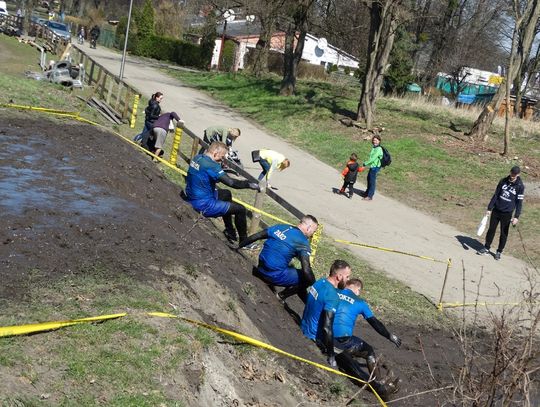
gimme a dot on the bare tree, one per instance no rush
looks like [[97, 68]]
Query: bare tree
[[267, 13], [384, 19], [295, 25], [526, 15]]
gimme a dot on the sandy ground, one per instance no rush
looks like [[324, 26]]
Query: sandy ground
[[308, 184]]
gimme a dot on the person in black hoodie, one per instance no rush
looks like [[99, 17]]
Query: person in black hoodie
[[350, 174], [151, 113], [507, 200]]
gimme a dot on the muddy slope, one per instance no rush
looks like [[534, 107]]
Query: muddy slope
[[72, 196]]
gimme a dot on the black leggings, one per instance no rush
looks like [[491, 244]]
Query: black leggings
[[504, 219], [239, 212], [349, 185]]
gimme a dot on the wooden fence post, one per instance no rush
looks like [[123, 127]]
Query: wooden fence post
[[91, 74], [256, 216], [194, 147]]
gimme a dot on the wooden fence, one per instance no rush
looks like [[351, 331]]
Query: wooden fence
[[108, 87], [196, 145], [120, 95]]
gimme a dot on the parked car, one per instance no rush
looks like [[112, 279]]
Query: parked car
[[39, 20], [3, 8], [59, 29]]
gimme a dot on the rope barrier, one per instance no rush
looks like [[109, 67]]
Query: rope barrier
[[481, 304], [389, 250], [17, 330]]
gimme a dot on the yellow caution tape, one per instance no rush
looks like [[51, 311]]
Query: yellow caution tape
[[39, 109], [474, 304], [263, 345], [253, 209], [389, 250], [49, 326], [176, 145], [134, 111]]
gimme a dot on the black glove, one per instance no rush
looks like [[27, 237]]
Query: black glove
[[332, 361], [255, 186], [395, 340]]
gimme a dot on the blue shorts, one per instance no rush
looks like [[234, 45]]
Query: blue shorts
[[211, 208], [283, 278]]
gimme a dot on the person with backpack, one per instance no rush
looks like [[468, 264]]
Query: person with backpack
[[349, 175], [374, 164], [151, 114]]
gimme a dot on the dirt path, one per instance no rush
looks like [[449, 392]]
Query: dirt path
[[383, 222]]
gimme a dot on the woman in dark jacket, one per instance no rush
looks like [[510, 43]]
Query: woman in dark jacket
[[151, 113]]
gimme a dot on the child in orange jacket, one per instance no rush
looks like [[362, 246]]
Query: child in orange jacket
[[349, 175]]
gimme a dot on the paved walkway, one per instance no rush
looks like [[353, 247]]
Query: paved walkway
[[308, 183]]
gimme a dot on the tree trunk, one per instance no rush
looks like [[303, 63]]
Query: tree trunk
[[383, 24], [260, 63], [291, 59], [525, 28]]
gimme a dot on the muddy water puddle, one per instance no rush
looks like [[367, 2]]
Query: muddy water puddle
[[35, 175]]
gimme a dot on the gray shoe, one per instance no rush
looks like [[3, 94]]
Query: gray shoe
[[498, 256], [483, 251], [251, 246]]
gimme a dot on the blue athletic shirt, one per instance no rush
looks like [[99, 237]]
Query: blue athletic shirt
[[322, 296], [282, 244], [202, 177], [350, 306]]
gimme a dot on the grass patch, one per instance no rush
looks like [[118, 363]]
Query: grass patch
[[117, 362], [431, 170]]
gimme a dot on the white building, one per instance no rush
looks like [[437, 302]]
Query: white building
[[246, 34]]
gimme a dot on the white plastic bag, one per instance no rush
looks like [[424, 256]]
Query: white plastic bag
[[482, 225]]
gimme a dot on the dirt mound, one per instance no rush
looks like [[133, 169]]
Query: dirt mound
[[73, 197]]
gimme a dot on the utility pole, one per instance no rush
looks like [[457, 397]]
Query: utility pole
[[221, 46], [126, 42]]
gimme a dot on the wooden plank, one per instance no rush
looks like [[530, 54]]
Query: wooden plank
[[109, 91], [119, 96], [102, 86], [91, 74], [106, 109]]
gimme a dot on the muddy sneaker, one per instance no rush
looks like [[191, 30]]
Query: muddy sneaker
[[230, 235], [393, 385], [498, 256], [280, 298], [482, 251], [251, 246]]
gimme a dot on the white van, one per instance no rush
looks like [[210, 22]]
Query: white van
[[3, 8]]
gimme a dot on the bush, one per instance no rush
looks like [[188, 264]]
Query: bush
[[310, 71], [228, 56], [172, 50]]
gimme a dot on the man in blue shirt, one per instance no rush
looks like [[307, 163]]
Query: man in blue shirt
[[321, 306], [350, 307], [204, 173], [283, 243]]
